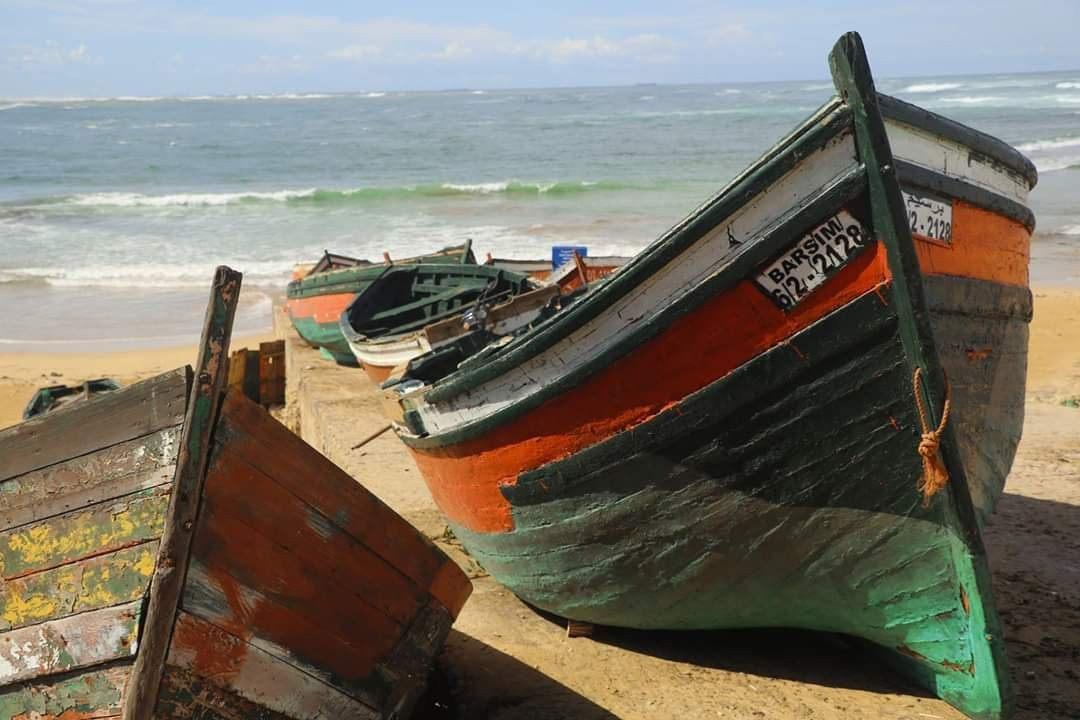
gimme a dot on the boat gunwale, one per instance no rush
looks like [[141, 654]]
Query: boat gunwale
[[827, 123], [984, 144], [546, 335], [844, 189]]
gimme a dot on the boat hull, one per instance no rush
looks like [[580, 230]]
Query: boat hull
[[770, 475], [171, 551]]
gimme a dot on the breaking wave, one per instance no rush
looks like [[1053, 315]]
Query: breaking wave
[[930, 87], [328, 196], [1049, 144]]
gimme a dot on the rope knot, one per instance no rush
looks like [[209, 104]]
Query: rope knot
[[935, 475]]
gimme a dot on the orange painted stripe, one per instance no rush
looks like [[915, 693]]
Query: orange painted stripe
[[697, 349], [320, 308], [985, 246], [378, 373]]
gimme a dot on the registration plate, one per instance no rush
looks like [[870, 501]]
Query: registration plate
[[813, 259], [928, 217]]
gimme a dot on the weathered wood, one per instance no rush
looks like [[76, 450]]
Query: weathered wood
[[212, 596], [272, 373], [238, 369], [69, 643], [989, 693], [168, 577], [101, 528], [127, 467], [69, 432], [501, 317], [94, 694], [100, 581], [310, 476], [204, 657]]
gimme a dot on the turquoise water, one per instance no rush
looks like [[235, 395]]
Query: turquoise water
[[113, 212]]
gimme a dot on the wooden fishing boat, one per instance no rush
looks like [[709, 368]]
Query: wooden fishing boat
[[582, 271], [384, 325], [54, 397], [795, 408], [170, 551], [595, 268], [314, 302]]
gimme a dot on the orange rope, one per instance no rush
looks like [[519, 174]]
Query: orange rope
[[934, 476]]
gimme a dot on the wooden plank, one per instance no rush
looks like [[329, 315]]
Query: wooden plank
[[500, 317], [115, 417], [251, 375], [243, 499], [272, 373], [308, 475], [168, 578], [124, 468], [238, 369], [100, 581], [345, 660], [212, 670], [93, 694], [101, 528], [69, 643]]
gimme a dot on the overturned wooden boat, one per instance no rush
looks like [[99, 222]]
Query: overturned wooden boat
[[169, 551], [314, 301], [54, 397], [384, 325], [795, 408]]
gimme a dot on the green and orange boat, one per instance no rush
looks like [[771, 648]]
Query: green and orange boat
[[315, 299], [796, 408]]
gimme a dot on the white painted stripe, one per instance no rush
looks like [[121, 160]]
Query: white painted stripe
[[69, 643], [954, 160], [390, 353], [665, 287]]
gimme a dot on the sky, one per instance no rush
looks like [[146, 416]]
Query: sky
[[109, 48]]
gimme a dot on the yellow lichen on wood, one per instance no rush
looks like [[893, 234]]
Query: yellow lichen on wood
[[102, 581], [68, 537]]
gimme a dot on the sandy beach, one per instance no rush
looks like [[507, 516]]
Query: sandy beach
[[22, 373]]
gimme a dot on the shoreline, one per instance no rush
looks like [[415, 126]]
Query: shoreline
[[23, 372]]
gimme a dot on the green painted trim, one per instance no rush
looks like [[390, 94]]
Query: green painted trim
[[990, 695], [981, 143], [460, 278], [811, 135], [332, 281], [840, 193], [167, 583], [914, 176]]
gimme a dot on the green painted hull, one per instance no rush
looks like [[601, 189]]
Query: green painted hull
[[327, 337]]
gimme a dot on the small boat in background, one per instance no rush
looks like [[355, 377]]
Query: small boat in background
[[795, 408], [384, 325], [170, 550], [314, 301], [595, 268], [581, 271], [50, 398]]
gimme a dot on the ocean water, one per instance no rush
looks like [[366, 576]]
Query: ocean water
[[114, 211]]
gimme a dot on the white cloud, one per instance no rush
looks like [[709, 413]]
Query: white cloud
[[51, 53], [645, 47], [728, 34], [357, 53]]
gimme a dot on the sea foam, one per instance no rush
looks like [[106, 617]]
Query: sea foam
[[931, 87]]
